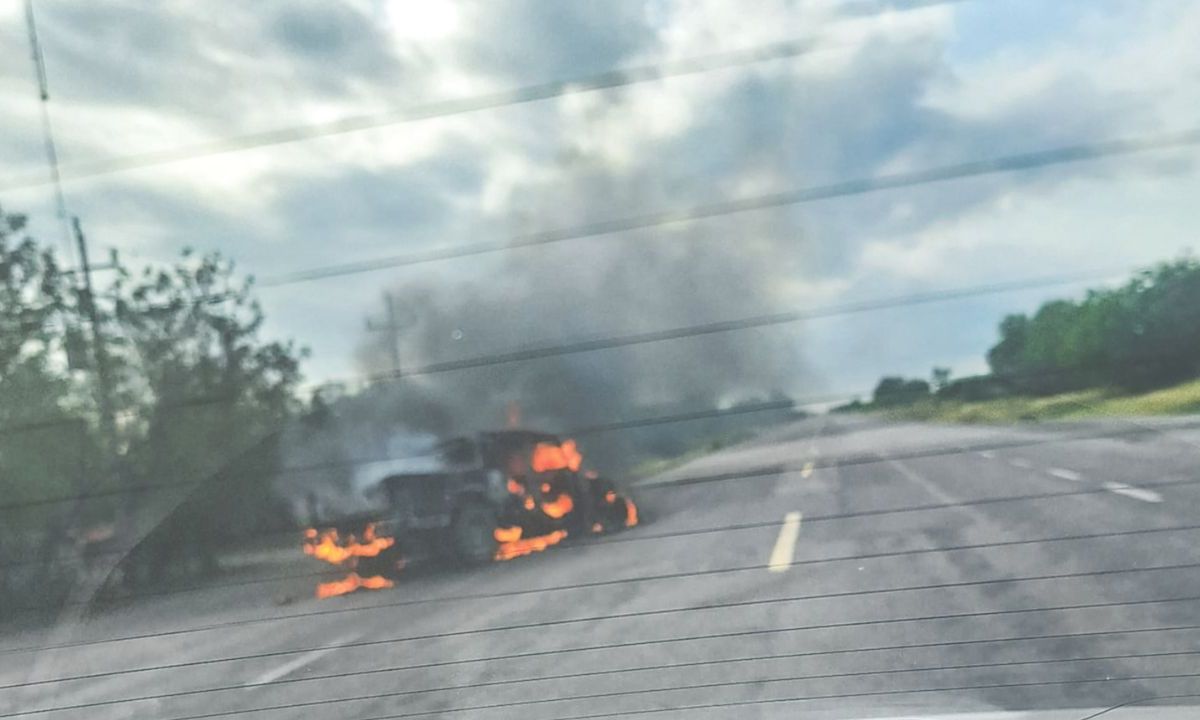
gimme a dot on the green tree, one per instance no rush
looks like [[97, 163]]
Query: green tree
[[893, 390], [939, 378], [1156, 338], [34, 394], [1143, 334], [47, 447], [195, 385], [1007, 357], [208, 388]]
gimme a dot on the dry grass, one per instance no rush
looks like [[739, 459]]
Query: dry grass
[[1177, 400]]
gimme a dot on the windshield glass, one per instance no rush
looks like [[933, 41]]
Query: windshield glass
[[539, 359]]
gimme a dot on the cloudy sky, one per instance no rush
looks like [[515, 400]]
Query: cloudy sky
[[887, 88]]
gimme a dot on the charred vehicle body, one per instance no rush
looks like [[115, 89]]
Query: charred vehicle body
[[491, 496]]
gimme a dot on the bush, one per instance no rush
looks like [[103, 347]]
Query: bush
[[898, 391]]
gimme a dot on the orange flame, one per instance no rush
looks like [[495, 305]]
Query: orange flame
[[558, 507], [328, 547], [631, 516], [610, 497], [526, 546], [548, 457], [351, 583], [515, 487], [507, 535]]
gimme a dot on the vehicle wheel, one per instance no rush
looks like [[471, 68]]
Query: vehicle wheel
[[388, 563], [472, 532], [611, 506]]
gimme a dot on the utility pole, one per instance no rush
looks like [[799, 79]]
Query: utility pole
[[39, 69], [88, 583], [391, 330], [87, 300], [87, 303]]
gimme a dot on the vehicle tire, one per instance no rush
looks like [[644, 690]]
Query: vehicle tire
[[609, 514], [388, 563], [472, 532]]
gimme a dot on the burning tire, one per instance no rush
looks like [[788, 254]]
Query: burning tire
[[472, 533], [387, 564], [612, 508]]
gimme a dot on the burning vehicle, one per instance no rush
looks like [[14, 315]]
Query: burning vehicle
[[469, 500]]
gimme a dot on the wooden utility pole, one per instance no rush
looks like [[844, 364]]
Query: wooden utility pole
[[104, 379], [39, 69], [71, 227], [391, 329], [87, 303]]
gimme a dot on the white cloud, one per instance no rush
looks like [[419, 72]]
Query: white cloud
[[1086, 224], [881, 95], [1133, 62], [423, 20]]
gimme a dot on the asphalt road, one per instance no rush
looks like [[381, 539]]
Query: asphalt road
[[871, 569]]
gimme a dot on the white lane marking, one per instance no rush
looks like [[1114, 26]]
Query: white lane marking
[[1065, 474], [1020, 463], [290, 667], [927, 485], [987, 455], [977, 517], [785, 544], [1136, 493], [808, 469]]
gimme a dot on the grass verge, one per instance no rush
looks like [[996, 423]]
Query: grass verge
[[1177, 400]]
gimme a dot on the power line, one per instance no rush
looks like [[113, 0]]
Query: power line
[[868, 459], [945, 295], [335, 464], [590, 674], [847, 696], [49, 146], [745, 323], [728, 635], [636, 579], [711, 414], [860, 186], [873, 458], [712, 478], [689, 480], [694, 686], [716, 529], [772, 470], [543, 352], [1091, 635], [1140, 701], [640, 643], [22, 428], [445, 108], [632, 614], [849, 558], [95, 603]]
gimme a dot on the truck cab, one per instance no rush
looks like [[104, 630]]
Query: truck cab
[[496, 495]]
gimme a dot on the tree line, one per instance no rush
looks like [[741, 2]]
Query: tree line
[[1141, 335], [108, 399]]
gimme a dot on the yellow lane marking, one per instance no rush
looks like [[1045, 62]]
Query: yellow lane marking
[[785, 544]]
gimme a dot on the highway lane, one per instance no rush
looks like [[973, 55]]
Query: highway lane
[[875, 553]]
